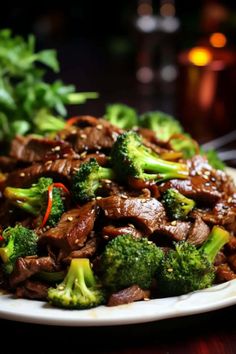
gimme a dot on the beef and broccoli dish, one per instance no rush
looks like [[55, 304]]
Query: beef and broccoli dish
[[113, 210]]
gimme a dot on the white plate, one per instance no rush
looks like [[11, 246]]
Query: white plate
[[217, 297]]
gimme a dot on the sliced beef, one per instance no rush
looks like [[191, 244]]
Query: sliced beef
[[32, 290], [87, 251], [101, 158], [32, 149], [199, 232], [139, 184], [61, 170], [195, 187], [175, 230], [110, 231], [26, 267], [93, 138], [224, 273], [223, 213], [145, 212], [73, 229], [128, 295], [232, 261], [231, 245]]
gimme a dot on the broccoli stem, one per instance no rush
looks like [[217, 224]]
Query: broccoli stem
[[105, 173], [161, 167], [19, 195], [216, 240], [6, 251], [81, 97]]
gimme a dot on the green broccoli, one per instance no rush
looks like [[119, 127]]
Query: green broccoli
[[185, 144], [19, 242], [46, 123], [87, 180], [178, 206], [121, 115], [163, 124], [131, 158], [34, 199], [188, 268], [58, 208], [167, 128], [214, 160], [127, 261], [80, 289]]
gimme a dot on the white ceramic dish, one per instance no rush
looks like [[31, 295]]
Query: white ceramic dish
[[217, 297]]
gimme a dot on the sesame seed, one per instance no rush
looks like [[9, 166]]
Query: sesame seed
[[57, 148], [74, 131], [106, 237], [230, 199], [108, 181], [48, 162], [99, 127], [106, 212], [76, 241], [146, 299], [83, 136], [83, 154], [170, 270], [174, 223], [98, 198], [70, 218], [22, 174]]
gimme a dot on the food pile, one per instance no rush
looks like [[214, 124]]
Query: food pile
[[108, 211]]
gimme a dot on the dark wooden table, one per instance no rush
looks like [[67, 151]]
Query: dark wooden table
[[208, 333]]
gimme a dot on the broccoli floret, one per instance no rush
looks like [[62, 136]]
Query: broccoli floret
[[34, 200], [80, 289], [29, 199], [58, 208], [121, 115], [164, 125], [19, 242], [185, 144], [46, 123], [131, 158], [87, 180], [167, 128], [214, 160], [178, 206], [127, 261], [188, 268]]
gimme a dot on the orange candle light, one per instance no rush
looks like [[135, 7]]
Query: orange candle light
[[206, 89]]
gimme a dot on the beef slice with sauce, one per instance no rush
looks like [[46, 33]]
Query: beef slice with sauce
[[145, 212], [73, 229]]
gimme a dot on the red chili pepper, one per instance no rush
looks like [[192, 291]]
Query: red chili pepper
[[1, 238], [49, 206], [72, 120], [61, 185], [50, 200]]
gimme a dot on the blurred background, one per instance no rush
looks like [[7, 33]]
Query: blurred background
[[175, 56]]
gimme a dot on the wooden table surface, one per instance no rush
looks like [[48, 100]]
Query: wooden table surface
[[209, 333]]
